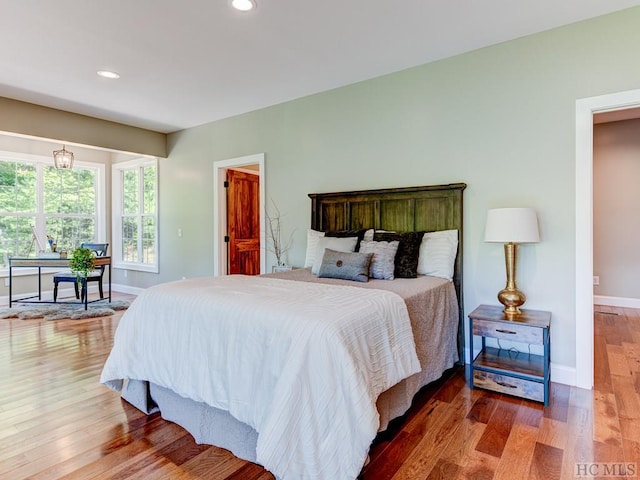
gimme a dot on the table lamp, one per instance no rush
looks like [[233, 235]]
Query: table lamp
[[511, 226]]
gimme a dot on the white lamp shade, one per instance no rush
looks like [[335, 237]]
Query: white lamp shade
[[516, 225]]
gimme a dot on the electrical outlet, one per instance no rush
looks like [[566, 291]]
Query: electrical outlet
[[596, 280], [125, 273]]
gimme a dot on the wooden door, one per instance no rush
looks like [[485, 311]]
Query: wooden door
[[243, 222]]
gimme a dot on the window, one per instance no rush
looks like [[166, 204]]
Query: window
[[69, 199], [135, 215], [63, 205]]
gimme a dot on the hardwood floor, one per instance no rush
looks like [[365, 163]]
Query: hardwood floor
[[57, 421]]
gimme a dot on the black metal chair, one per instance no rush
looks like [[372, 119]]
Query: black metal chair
[[100, 250]]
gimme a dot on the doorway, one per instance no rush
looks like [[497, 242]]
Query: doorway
[[585, 109], [250, 163], [243, 221]]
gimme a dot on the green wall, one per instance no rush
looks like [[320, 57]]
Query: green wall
[[501, 119]]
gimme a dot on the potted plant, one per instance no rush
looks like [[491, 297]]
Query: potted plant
[[81, 262]]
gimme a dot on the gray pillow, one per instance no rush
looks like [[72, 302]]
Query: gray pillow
[[383, 261], [345, 265], [342, 244]]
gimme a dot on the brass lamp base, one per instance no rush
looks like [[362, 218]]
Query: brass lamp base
[[510, 296], [512, 299]]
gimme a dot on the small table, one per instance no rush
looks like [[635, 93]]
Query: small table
[[510, 371], [40, 263]]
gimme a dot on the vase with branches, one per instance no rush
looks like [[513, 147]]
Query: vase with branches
[[278, 246]]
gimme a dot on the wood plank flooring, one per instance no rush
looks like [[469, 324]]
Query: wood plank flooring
[[58, 422]]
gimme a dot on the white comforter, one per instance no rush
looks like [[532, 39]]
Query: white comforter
[[301, 363]]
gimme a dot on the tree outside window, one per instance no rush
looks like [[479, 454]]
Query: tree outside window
[[18, 208], [35, 195], [70, 206], [135, 215]]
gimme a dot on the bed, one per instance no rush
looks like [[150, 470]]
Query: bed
[[316, 365]]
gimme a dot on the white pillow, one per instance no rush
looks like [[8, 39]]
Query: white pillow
[[438, 254], [312, 244], [339, 244], [368, 235]]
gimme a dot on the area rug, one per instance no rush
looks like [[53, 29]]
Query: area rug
[[58, 312]]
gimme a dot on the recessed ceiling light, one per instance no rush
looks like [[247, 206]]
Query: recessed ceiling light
[[108, 74], [243, 5]]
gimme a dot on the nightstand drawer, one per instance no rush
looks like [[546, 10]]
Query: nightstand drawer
[[507, 370], [509, 385], [508, 331]]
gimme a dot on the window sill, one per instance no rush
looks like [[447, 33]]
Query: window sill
[[28, 271], [139, 267]]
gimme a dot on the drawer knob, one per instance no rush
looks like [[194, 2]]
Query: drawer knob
[[506, 331], [508, 385]]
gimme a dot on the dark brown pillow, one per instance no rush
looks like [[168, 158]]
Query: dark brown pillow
[[406, 261]]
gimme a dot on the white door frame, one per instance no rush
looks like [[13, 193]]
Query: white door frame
[[220, 210], [585, 108]]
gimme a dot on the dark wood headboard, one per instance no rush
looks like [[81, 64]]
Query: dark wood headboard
[[410, 209]]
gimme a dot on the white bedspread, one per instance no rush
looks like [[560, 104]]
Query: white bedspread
[[301, 363]]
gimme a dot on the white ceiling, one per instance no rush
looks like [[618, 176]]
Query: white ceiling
[[185, 63]]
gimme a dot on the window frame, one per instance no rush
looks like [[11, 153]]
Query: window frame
[[40, 162], [117, 209]]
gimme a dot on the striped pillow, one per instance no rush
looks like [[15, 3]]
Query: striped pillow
[[383, 261]]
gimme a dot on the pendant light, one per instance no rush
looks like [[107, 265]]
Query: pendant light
[[63, 159]]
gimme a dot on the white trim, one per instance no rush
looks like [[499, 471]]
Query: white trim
[[139, 267], [616, 301], [63, 295], [220, 210], [466, 352], [559, 373], [27, 271], [563, 374], [41, 161], [101, 194], [585, 108], [117, 287], [116, 215]]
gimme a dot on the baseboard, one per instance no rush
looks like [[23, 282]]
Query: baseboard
[[467, 357], [63, 294], [116, 287], [616, 301], [563, 374], [69, 292], [559, 373]]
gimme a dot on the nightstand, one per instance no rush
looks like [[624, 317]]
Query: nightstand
[[509, 370]]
